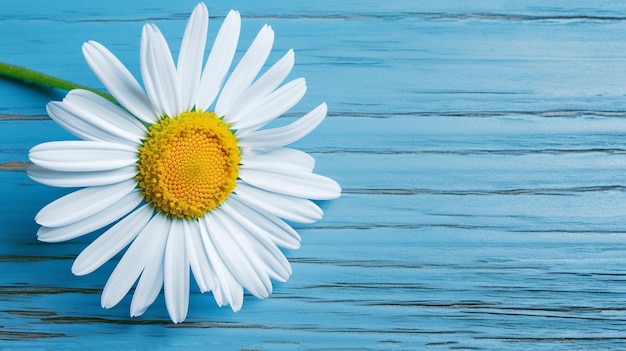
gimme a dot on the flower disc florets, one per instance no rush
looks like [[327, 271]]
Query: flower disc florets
[[188, 164]]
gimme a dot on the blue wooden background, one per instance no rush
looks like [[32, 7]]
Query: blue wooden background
[[481, 146]]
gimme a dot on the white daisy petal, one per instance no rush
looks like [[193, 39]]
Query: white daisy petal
[[91, 117], [148, 286], [191, 55], [89, 224], [276, 230], [146, 75], [281, 136], [82, 203], [112, 241], [82, 156], [246, 70], [268, 259], [281, 158], [294, 182], [80, 179], [234, 249], [134, 260], [105, 116], [218, 293], [277, 103], [230, 288], [176, 273], [119, 81], [198, 260], [159, 73], [151, 280], [74, 121], [219, 60], [262, 87], [291, 208]]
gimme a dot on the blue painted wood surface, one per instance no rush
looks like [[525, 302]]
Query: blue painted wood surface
[[481, 147]]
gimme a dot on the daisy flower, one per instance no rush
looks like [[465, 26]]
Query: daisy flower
[[184, 173]]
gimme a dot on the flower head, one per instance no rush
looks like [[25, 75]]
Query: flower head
[[184, 172]]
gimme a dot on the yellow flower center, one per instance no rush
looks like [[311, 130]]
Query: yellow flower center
[[188, 164]]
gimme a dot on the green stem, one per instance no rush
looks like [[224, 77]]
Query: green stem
[[30, 76]]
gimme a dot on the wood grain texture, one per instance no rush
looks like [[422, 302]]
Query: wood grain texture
[[481, 150]]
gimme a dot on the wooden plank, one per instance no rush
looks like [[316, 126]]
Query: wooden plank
[[479, 145]]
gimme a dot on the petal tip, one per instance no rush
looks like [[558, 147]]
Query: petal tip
[[201, 6], [77, 270]]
